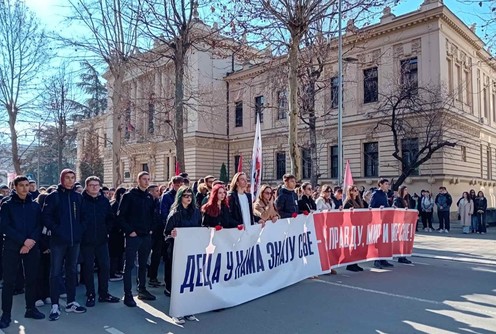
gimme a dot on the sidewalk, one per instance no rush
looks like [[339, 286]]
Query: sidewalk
[[456, 246]]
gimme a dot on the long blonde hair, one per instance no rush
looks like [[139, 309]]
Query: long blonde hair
[[262, 190]]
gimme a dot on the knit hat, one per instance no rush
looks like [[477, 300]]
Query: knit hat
[[64, 172]]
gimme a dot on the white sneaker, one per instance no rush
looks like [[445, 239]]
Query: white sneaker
[[446, 231], [54, 313], [426, 229], [39, 303], [64, 295], [178, 320], [75, 307], [441, 231], [191, 318]]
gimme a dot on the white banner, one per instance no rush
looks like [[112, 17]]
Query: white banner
[[218, 269]]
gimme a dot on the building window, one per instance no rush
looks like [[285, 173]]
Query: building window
[[282, 104], [450, 75], [238, 118], [334, 92], [370, 85], [485, 96], [280, 164], [371, 159], [105, 140], [127, 120], [167, 168], [489, 164], [259, 106], [151, 116], [464, 153], [306, 163], [236, 162], [409, 151], [494, 101], [334, 161], [409, 75], [468, 85], [144, 168], [459, 81]]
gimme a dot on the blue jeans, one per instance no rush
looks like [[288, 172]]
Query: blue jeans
[[59, 253], [473, 223], [142, 246], [481, 223], [101, 254]]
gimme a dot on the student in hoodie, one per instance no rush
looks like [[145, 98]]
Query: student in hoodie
[[240, 201], [378, 200], [287, 200], [306, 202], [21, 225], [136, 216], [98, 218], [61, 215]]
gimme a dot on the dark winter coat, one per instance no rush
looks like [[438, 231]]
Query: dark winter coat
[[182, 218], [286, 203], [97, 217], [379, 198], [306, 203], [480, 204], [165, 204], [61, 214], [235, 207], [224, 219], [20, 220], [137, 213], [443, 200]]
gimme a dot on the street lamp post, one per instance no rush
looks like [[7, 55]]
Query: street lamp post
[[340, 94]]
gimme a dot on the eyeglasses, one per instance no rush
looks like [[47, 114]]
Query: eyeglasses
[[268, 192], [187, 195]]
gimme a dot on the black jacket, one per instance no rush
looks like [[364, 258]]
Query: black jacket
[[306, 203], [137, 213], [97, 217], [20, 220], [480, 204], [61, 214], [235, 207], [182, 218], [352, 204], [224, 219], [286, 203], [165, 204]]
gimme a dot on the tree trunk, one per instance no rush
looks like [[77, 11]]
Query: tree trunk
[[294, 151], [179, 102], [16, 161], [117, 108], [314, 177]]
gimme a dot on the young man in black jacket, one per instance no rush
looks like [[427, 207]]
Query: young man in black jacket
[[97, 217], [61, 214], [287, 200], [136, 216], [21, 225]]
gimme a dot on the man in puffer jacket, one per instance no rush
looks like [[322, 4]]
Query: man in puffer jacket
[[443, 202], [97, 217], [287, 200], [61, 214]]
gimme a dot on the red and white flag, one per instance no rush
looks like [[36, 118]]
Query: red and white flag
[[178, 169], [240, 164], [256, 162], [348, 179]]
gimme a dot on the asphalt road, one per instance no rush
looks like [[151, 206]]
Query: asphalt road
[[430, 296]]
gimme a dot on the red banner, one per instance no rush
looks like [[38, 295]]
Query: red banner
[[354, 236]]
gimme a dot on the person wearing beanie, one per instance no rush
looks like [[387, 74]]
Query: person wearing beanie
[[61, 214]]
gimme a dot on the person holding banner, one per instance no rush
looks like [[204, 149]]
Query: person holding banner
[[264, 208], [379, 200], [216, 210], [354, 201], [324, 202], [183, 213], [402, 201], [240, 201], [306, 202], [287, 200]]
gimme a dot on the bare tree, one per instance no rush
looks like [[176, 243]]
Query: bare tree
[[23, 52], [420, 120], [112, 36], [486, 14]]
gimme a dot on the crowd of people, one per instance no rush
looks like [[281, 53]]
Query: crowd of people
[[49, 232]]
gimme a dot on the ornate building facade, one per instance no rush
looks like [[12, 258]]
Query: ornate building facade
[[432, 43]]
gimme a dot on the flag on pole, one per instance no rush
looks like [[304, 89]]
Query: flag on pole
[[348, 179], [178, 170], [240, 164], [10, 178], [256, 162]]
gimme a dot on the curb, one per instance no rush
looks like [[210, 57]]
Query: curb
[[457, 259]]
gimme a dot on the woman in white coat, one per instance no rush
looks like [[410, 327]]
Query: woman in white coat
[[465, 210]]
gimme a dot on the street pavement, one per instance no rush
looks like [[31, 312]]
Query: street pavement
[[450, 288]]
